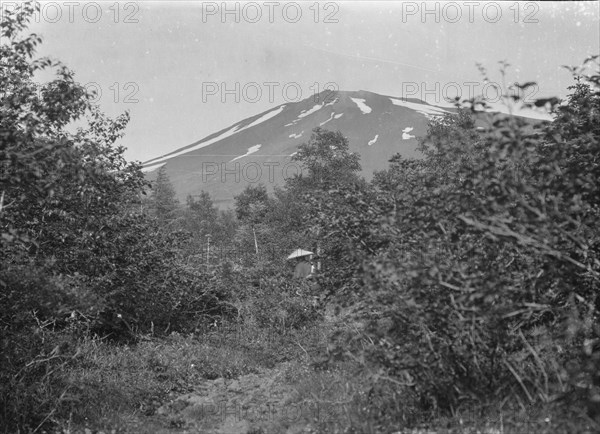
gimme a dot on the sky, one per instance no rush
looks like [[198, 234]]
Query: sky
[[185, 70]]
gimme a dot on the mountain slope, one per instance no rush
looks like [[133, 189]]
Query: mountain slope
[[259, 149]]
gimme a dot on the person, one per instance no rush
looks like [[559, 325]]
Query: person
[[303, 268]]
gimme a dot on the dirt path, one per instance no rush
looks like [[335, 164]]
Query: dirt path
[[265, 402], [251, 404], [247, 404]]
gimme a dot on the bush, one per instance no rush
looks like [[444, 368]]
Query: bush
[[79, 257], [474, 272], [279, 305]]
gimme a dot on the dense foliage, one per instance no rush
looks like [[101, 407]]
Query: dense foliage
[[467, 279], [77, 252], [475, 270]]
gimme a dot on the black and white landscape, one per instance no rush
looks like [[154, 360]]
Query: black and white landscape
[[259, 149], [299, 217]]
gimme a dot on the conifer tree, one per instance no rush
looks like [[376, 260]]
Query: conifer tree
[[163, 197]]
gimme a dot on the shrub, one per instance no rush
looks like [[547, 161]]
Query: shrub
[[474, 272]]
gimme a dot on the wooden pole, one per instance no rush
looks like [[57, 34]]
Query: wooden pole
[[255, 241], [207, 250]]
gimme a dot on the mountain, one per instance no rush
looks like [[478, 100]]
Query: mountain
[[259, 149]]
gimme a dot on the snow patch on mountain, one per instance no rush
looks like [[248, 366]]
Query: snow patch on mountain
[[330, 118], [251, 150], [405, 135], [360, 102], [425, 109], [296, 136], [264, 117], [153, 167], [339, 115], [226, 134], [371, 142], [308, 112]]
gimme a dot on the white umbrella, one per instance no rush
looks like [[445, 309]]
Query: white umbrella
[[299, 253]]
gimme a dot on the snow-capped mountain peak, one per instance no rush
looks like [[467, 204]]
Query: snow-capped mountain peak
[[259, 149]]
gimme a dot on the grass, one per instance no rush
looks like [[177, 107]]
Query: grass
[[109, 384], [104, 385], [112, 388]]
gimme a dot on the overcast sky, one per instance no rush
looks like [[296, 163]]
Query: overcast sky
[[171, 64]]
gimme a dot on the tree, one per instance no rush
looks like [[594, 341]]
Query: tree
[[252, 204], [77, 257], [329, 178], [199, 218], [202, 209], [327, 161], [163, 197], [327, 164], [481, 261]]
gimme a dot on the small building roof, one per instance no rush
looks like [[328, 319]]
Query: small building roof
[[299, 253]]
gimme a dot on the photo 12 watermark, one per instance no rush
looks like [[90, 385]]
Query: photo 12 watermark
[[126, 93], [453, 91], [251, 172], [271, 91], [470, 12], [270, 12], [116, 92], [53, 12]]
